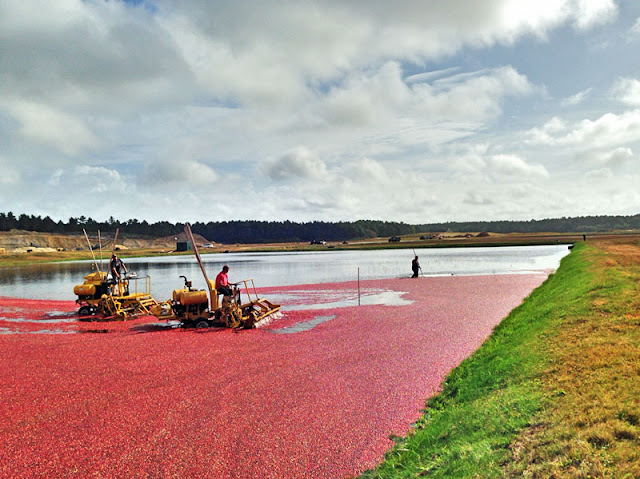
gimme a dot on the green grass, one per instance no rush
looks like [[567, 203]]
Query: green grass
[[470, 428], [590, 424]]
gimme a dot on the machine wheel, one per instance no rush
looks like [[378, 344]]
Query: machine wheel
[[85, 311], [201, 323]]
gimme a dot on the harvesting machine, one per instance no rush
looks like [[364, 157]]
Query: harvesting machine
[[112, 298], [205, 308]]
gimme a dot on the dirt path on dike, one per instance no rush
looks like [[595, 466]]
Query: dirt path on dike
[[133, 399]]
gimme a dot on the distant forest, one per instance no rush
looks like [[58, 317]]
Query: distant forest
[[283, 231]]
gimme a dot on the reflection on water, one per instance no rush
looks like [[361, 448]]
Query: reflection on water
[[327, 299], [39, 321], [304, 326], [56, 281], [40, 331]]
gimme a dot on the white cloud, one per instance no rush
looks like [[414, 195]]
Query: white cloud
[[546, 134], [555, 125], [297, 163], [577, 99], [55, 178], [470, 160], [432, 75], [363, 187], [66, 133], [601, 174], [10, 176], [609, 130], [98, 179], [590, 13], [477, 199], [618, 156], [77, 57], [635, 30], [42, 15], [627, 90], [235, 54], [177, 171], [59, 196], [367, 171], [512, 165], [420, 113], [475, 96], [613, 159]]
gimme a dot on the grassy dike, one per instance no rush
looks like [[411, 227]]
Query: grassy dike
[[554, 392]]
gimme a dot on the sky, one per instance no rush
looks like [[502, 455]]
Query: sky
[[418, 111]]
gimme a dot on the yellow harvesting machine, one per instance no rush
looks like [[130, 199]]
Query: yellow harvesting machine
[[202, 308], [105, 298], [110, 298]]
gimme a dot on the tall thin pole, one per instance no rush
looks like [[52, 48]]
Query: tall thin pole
[[358, 285], [115, 240], [187, 230], [90, 249], [100, 245]]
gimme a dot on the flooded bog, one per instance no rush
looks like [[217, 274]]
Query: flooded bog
[[56, 281], [316, 393]]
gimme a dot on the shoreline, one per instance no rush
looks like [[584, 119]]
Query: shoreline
[[8, 260]]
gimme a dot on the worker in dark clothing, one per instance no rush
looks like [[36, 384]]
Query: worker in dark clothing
[[415, 266], [116, 266]]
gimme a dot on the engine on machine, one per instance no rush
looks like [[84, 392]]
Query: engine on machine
[[190, 305]]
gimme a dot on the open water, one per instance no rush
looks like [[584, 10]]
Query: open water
[[56, 281]]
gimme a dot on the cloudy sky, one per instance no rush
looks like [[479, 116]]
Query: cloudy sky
[[413, 110]]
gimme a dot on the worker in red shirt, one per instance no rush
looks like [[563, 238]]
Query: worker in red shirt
[[222, 282]]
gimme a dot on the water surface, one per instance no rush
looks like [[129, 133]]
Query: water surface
[[56, 280]]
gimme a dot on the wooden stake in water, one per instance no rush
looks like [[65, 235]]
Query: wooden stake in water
[[358, 285]]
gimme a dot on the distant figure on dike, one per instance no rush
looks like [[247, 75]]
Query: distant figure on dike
[[415, 266]]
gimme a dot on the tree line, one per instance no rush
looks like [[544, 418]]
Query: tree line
[[251, 231], [8, 221]]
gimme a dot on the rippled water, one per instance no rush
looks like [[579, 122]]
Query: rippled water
[[56, 281]]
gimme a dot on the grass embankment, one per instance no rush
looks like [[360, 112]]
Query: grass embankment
[[555, 391]]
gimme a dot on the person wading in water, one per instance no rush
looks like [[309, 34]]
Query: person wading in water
[[415, 266]]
